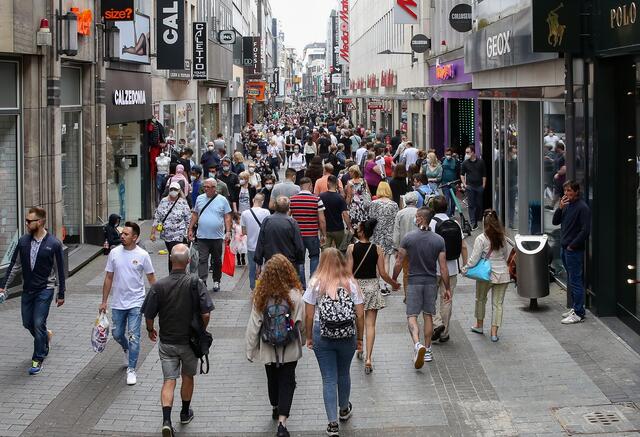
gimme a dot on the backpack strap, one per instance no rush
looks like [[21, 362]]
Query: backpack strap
[[255, 217], [438, 222]]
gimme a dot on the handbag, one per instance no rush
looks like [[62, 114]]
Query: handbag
[[228, 261], [482, 270], [160, 226], [363, 258], [200, 340]]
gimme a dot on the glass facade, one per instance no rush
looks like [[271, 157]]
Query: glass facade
[[124, 176], [504, 162], [210, 121], [180, 122]]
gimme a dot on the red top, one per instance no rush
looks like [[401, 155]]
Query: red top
[[388, 165], [304, 208]]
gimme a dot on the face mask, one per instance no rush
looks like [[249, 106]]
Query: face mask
[[252, 169], [243, 182], [268, 186], [447, 157], [515, 156], [259, 155], [210, 148], [193, 178], [467, 156], [173, 194], [296, 150], [226, 168], [415, 221]]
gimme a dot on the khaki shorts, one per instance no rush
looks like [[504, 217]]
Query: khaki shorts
[[175, 356]]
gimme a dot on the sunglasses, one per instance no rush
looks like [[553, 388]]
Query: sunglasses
[[31, 221]]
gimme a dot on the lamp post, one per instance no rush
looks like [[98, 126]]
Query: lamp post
[[67, 39], [412, 53]]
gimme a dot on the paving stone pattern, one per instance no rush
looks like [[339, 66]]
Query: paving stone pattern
[[539, 379]]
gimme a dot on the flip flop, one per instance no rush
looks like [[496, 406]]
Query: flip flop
[[360, 355], [368, 369]]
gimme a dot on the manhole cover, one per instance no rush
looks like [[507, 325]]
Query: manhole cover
[[599, 419]]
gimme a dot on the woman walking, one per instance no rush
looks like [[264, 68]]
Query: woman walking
[[491, 245], [384, 210], [358, 196], [171, 219], [297, 162], [372, 173], [432, 169], [237, 166], [366, 261], [335, 316], [278, 293], [310, 149], [398, 183], [244, 196]]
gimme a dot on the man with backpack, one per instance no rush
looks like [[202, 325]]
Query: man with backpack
[[178, 300], [455, 246]]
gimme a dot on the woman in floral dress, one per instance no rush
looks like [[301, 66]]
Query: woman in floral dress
[[384, 209], [172, 219], [358, 197]]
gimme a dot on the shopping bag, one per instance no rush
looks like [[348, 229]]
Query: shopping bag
[[481, 271], [228, 261], [194, 258], [100, 333]]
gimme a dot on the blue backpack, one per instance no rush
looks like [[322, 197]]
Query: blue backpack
[[278, 327]]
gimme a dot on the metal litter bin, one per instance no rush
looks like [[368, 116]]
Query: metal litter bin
[[532, 264]]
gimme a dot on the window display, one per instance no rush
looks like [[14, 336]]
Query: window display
[[124, 178]]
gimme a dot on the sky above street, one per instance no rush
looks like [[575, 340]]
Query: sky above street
[[303, 21]]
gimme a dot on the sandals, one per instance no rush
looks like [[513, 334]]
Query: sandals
[[368, 369], [360, 355]]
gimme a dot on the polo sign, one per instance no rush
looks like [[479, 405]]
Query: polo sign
[[556, 26], [170, 34]]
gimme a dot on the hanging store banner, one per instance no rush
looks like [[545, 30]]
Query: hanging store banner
[[405, 12], [343, 21], [170, 34], [255, 90], [117, 10], [556, 26], [336, 67], [128, 96], [460, 17], [618, 25], [252, 55], [200, 50], [134, 39]]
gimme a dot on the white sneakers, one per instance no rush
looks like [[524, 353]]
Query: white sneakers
[[572, 318], [131, 376], [418, 358], [568, 313], [428, 356], [125, 360]]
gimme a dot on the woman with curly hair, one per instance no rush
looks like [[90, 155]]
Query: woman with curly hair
[[277, 293], [315, 169]]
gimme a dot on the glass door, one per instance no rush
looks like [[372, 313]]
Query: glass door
[[72, 176], [497, 163]]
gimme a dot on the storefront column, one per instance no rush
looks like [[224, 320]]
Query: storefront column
[[529, 167]]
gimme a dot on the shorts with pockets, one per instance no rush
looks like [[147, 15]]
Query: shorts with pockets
[[175, 356], [421, 298]]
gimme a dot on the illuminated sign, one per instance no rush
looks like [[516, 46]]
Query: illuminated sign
[[445, 72], [85, 20], [117, 10]]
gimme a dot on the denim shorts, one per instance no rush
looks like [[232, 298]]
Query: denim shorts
[[421, 298], [172, 355]]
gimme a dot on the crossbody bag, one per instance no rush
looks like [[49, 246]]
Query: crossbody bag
[[160, 226], [195, 226]]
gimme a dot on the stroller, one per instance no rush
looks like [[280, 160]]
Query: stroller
[[452, 186]]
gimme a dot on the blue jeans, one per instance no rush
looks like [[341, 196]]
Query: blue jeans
[[334, 359], [451, 205], [35, 310], [573, 261], [128, 321], [474, 198], [252, 269], [312, 245]]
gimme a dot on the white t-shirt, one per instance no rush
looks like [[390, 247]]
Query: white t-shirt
[[410, 156], [311, 296], [249, 223], [361, 151], [128, 268], [452, 265]]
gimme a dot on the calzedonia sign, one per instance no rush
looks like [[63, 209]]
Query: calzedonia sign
[[129, 96]]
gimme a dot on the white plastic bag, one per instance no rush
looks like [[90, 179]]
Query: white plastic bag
[[100, 333]]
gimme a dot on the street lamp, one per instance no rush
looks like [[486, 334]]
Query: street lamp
[[389, 52], [67, 33]]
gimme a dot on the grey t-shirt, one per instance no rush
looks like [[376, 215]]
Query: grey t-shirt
[[286, 188], [423, 249]]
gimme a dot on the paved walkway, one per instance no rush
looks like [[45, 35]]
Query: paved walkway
[[541, 378]]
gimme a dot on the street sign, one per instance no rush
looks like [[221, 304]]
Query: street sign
[[460, 17], [420, 43], [227, 37], [345, 101]]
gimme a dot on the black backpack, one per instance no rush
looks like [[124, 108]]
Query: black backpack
[[278, 327], [450, 230]]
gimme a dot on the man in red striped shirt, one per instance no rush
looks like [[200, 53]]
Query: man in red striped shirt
[[308, 210]]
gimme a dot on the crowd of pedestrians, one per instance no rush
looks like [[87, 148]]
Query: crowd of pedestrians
[[361, 207]]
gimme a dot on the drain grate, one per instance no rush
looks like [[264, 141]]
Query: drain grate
[[602, 418]]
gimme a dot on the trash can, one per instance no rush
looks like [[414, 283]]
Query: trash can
[[532, 265]]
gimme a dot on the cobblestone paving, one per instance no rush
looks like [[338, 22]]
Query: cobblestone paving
[[473, 387]]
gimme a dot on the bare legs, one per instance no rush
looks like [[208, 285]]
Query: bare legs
[[370, 317]]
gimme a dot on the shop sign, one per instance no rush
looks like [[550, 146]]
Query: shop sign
[[130, 96], [227, 37], [336, 67], [252, 55], [85, 21], [184, 74], [505, 43], [420, 43], [256, 89], [450, 73], [344, 32], [460, 17], [619, 25], [405, 12], [445, 72], [556, 26], [135, 40], [375, 104], [170, 34], [199, 50], [117, 10], [344, 101]]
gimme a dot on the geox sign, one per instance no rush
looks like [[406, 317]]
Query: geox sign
[[343, 16], [129, 97]]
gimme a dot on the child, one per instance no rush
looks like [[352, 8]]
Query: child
[[238, 243]]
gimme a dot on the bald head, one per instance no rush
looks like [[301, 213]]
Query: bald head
[[180, 256], [282, 204]]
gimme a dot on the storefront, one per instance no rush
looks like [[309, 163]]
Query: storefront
[[454, 108], [129, 109]]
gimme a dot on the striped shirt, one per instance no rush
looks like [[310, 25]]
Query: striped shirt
[[304, 208]]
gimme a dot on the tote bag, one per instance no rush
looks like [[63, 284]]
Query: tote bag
[[482, 270]]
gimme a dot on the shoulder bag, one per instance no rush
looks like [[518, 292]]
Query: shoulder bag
[[160, 226], [200, 340], [195, 226], [482, 270], [363, 258]]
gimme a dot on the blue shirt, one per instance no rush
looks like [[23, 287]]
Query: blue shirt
[[422, 191], [211, 222]]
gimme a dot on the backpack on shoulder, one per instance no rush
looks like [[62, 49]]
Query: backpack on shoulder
[[278, 327], [450, 230], [337, 317]]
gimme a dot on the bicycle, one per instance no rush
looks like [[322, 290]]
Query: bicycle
[[466, 225]]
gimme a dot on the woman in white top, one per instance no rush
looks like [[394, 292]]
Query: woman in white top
[[255, 180], [310, 149], [490, 244], [297, 162], [334, 323]]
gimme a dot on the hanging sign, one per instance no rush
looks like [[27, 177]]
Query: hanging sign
[[460, 17], [556, 26], [252, 55], [343, 15], [170, 34], [420, 43], [117, 10], [200, 50]]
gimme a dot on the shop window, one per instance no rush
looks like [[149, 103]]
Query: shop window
[[123, 170], [9, 228], [70, 87], [9, 77], [504, 162], [169, 121], [71, 176], [210, 121]]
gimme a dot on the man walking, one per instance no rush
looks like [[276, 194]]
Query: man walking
[[336, 213], [574, 218], [308, 210], [212, 214], [125, 281], [402, 225], [171, 300], [279, 234], [409, 155], [474, 180], [39, 257], [424, 249], [453, 237], [285, 188], [322, 185], [251, 222]]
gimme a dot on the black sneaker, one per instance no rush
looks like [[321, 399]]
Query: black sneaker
[[385, 290], [444, 339], [333, 430], [346, 413], [282, 431], [167, 429], [274, 413], [186, 418], [474, 227], [437, 333]]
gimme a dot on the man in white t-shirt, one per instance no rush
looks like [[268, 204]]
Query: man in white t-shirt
[[251, 221], [126, 266], [443, 310], [410, 155]]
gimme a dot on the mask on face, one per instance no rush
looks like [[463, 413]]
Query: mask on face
[[226, 168], [447, 157], [193, 178], [173, 194], [415, 221], [268, 186], [296, 150], [252, 169], [515, 156], [243, 182], [259, 155], [467, 156], [210, 148]]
